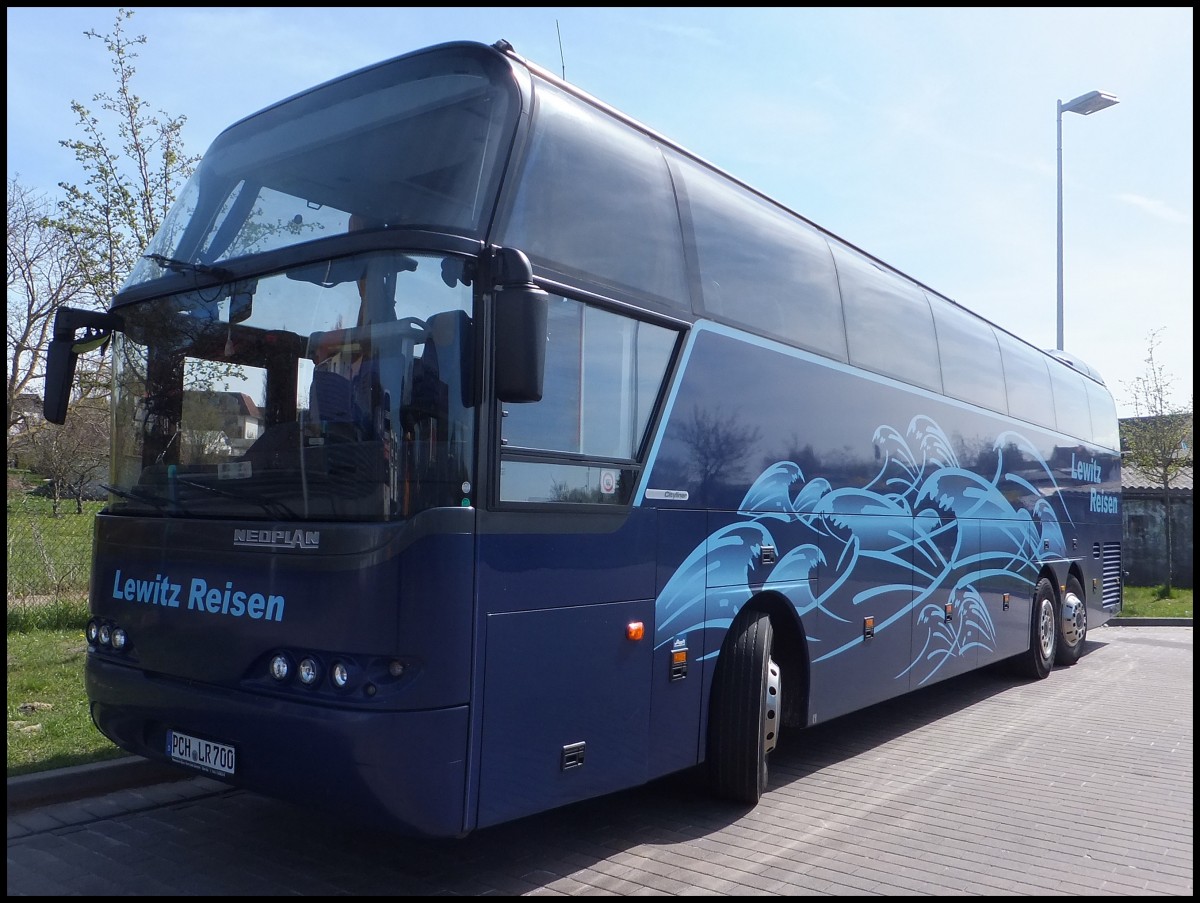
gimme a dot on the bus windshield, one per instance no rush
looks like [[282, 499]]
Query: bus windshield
[[417, 142], [340, 389]]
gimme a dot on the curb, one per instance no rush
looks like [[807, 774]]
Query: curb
[[1148, 622], [60, 785]]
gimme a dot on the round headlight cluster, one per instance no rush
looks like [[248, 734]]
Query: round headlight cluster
[[333, 672], [309, 671], [106, 636]]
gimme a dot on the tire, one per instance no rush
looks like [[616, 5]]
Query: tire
[[744, 714], [1072, 624], [1036, 662]]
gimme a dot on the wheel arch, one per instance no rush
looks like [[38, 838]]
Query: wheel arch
[[790, 652], [1056, 576]]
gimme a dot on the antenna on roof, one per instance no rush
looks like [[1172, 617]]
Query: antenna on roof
[[560, 51]]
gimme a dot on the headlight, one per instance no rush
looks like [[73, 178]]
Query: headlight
[[340, 675], [280, 667], [309, 672], [119, 638]]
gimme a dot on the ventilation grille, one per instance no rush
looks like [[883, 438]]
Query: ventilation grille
[[1112, 573]]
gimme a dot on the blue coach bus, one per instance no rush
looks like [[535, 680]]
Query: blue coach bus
[[477, 450]]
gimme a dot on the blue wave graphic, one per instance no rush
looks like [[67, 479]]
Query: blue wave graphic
[[894, 548]]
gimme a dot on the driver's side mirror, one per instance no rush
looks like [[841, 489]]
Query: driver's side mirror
[[65, 349]]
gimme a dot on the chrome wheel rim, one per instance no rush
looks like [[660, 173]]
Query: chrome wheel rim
[[1074, 620], [771, 707], [1046, 628]]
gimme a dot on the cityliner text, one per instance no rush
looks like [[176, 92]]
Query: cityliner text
[[232, 601]]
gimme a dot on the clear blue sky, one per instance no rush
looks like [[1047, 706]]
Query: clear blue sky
[[924, 136]]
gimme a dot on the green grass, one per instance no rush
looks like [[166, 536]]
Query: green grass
[[45, 665], [1148, 602], [48, 721], [66, 613]]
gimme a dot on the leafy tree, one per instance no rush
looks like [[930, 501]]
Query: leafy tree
[[134, 165], [1158, 441]]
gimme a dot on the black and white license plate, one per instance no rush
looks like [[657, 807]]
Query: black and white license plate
[[214, 758]]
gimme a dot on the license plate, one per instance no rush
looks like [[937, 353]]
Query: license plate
[[214, 758]]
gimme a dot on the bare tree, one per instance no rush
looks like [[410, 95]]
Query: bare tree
[[719, 445], [1158, 442], [73, 456], [43, 274]]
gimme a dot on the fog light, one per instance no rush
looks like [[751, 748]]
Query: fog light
[[119, 638], [105, 634], [280, 667], [308, 672], [340, 675]]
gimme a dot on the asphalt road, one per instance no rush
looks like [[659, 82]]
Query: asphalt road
[[1077, 785]]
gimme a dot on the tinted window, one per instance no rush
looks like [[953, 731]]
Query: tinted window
[[889, 325], [1104, 416], [1027, 382], [595, 201], [604, 373], [971, 368], [760, 267], [420, 141], [1070, 401]]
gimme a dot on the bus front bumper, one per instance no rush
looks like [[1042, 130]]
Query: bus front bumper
[[405, 771]]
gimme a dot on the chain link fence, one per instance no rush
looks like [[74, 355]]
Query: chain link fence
[[49, 555]]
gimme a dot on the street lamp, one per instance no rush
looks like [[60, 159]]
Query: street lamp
[[1084, 105]]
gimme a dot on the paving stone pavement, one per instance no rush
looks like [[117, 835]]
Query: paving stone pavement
[[1077, 785]]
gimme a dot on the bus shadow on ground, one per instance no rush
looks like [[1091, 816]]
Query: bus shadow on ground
[[535, 853]]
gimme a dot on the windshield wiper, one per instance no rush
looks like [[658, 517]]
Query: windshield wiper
[[272, 507], [184, 267], [160, 503]]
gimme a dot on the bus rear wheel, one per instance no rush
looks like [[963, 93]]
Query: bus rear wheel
[[744, 715], [1072, 624]]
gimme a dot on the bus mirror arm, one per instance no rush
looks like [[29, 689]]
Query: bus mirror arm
[[65, 348], [520, 313]]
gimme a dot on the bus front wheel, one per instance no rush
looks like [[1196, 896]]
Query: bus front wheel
[[1072, 624], [744, 715]]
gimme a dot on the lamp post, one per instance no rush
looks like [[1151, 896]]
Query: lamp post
[[1084, 105]]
